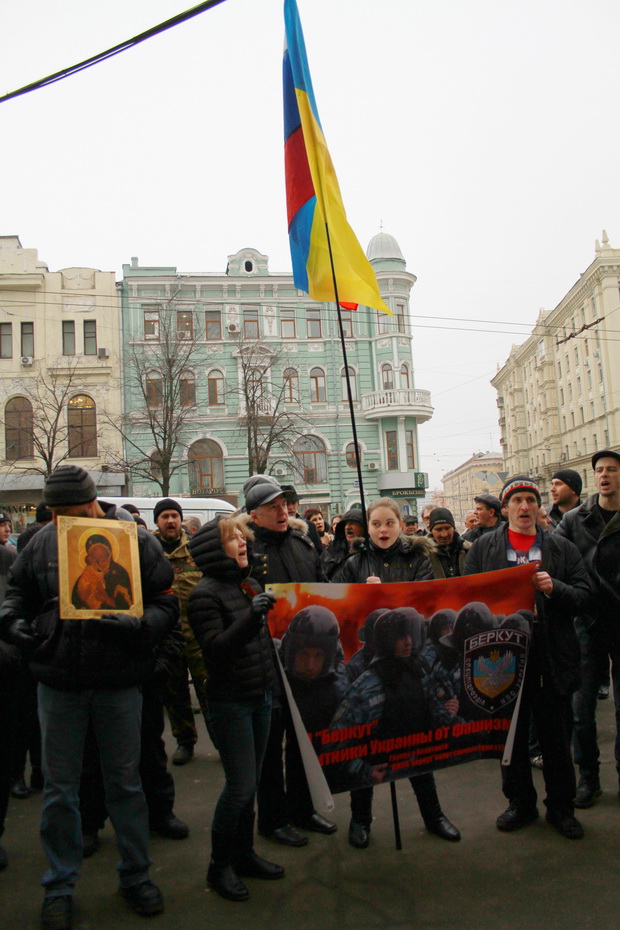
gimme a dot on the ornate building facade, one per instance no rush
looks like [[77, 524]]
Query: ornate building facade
[[558, 394], [260, 372]]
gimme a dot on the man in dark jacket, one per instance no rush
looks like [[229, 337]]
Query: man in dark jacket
[[448, 558], [282, 553], [552, 674], [565, 489], [348, 530], [292, 498], [489, 512], [168, 516], [88, 669], [10, 668], [282, 550], [594, 528]]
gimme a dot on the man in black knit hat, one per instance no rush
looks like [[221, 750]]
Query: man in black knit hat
[[168, 516], [552, 674], [88, 670], [448, 558], [565, 492]]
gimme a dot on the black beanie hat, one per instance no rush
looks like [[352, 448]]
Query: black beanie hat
[[166, 504], [42, 514], [440, 515], [571, 478], [67, 486]]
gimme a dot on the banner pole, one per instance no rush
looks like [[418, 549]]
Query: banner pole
[[358, 462], [397, 838]]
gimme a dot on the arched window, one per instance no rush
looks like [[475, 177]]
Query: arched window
[[350, 454], [215, 383], [82, 423], [206, 467], [318, 390], [18, 429], [311, 459], [291, 386], [352, 381], [187, 389], [387, 376], [153, 389], [404, 376]]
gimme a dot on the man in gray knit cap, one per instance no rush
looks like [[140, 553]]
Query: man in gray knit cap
[[89, 670]]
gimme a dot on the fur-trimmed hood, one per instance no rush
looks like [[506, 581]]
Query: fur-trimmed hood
[[423, 544]]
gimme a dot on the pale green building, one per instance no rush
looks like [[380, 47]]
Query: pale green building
[[249, 340]]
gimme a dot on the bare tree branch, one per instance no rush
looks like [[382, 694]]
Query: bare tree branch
[[266, 418], [159, 378]]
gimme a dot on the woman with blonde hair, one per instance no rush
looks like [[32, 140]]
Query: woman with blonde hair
[[227, 613]]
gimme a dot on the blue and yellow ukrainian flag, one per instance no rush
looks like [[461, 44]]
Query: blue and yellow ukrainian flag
[[312, 192]]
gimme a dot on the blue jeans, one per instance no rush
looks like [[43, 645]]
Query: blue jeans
[[597, 647], [241, 729], [64, 717]]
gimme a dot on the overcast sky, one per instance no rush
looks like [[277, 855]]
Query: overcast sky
[[482, 134]]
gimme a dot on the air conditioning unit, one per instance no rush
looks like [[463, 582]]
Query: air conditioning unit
[[27, 360], [280, 472], [103, 353], [232, 328], [372, 466]]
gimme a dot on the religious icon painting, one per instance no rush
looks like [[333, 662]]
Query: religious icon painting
[[98, 567]]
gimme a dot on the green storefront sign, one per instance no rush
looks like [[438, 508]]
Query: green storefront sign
[[418, 489]]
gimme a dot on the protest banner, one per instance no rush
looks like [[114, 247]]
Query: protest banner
[[430, 697]]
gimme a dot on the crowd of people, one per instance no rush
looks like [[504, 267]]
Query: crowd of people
[[85, 698]]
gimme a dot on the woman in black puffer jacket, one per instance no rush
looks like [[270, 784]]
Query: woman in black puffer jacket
[[227, 614], [388, 556]]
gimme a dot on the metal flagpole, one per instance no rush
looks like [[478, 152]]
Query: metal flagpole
[[397, 836], [358, 462]]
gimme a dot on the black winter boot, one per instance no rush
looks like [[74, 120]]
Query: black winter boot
[[434, 818], [221, 875], [245, 861]]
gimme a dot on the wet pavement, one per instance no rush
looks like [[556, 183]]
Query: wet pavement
[[531, 879]]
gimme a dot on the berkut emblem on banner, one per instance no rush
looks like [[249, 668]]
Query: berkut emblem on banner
[[493, 668]]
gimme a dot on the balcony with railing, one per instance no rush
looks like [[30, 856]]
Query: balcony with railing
[[408, 402]]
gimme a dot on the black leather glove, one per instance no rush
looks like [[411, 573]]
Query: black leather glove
[[21, 634], [123, 624], [261, 604]]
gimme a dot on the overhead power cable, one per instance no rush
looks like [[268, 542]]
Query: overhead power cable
[[111, 52]]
